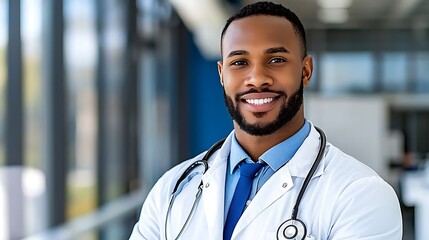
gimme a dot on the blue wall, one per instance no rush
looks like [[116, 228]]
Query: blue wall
[[209, 119]]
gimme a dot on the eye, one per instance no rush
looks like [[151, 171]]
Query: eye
[[277, 60], [238, 63]]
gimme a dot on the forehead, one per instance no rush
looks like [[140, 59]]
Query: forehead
[[259, 33]]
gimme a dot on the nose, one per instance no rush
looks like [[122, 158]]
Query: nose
[[258, 77]]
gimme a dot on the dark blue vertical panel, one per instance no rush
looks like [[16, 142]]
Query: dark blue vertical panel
[[14, 108], [57, 110], [209, 119]]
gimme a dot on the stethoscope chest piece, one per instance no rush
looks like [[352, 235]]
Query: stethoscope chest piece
[[293, 229]]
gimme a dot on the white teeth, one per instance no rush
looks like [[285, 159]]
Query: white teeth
[[259, 101]]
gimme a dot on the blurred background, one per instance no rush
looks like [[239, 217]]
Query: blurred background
[[99, 98]]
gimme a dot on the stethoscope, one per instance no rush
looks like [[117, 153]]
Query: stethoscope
[[293, 228]]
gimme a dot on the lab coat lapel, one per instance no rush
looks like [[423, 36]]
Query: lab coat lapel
[[273, 190], [304, 158], [213, 200], [213, 196]]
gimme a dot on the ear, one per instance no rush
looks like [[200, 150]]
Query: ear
[[307, 69], [219, 70]]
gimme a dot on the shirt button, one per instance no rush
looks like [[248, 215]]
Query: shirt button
[[207, 185], [284, 185]]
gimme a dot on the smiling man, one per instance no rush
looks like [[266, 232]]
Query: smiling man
[[263, 72], [274, 177]]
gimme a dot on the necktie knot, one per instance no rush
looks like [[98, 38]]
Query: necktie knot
[[250, 169]]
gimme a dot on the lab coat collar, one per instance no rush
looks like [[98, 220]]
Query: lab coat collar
[[304, 158], [300, 163]]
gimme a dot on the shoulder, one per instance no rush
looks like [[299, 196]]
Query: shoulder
[[360, 199], [344, 166], [343, 174]]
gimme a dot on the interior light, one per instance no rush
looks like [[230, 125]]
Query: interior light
[[205, 19], [333, 15], [334, 3]]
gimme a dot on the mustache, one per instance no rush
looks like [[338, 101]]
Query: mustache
[[263, 90]]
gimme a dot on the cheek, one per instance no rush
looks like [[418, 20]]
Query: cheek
[[230, 83], [292, 82]]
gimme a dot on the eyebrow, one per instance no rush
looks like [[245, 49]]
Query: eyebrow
[[276, 50], [238, 52], [268, 51]]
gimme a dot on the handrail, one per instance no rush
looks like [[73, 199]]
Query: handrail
[[109, 212]]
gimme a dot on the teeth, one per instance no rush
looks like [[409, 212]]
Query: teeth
[[259, 101]]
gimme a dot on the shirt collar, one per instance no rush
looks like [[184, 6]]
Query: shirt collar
[[236, 155], [276, 156]]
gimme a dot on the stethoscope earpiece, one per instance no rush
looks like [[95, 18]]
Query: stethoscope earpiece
[[292, 230]]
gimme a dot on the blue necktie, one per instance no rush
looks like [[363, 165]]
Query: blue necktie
[[241, 194]]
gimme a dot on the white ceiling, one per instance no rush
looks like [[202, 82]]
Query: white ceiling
[[364, 13], [205, 18]]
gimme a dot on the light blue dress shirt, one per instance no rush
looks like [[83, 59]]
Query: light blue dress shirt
[[274, 159]]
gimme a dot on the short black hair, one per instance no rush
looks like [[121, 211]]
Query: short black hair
[[269, 9]]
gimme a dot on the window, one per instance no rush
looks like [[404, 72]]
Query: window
[[347, 72], [394, 71], [80, 47], [31, 51], [422, 77]]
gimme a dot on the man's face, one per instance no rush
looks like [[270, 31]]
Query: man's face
[[263, 73]]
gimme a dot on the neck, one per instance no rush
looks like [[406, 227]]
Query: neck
[[255, 146]]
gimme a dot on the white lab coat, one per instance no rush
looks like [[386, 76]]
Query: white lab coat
[[344, 200]]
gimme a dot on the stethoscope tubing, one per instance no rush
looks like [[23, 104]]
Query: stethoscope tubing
[[310, 173], [203, 162]]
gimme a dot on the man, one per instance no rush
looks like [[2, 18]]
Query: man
[[263, 71]]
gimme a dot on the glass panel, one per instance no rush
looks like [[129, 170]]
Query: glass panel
[[3, 69], [80, 64], [114, 109], [422, 77], [114, 71], [394, 71], [31, 49], [347, 72], [31, 34]]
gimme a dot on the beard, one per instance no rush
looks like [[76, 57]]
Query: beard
[[287, 111]]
